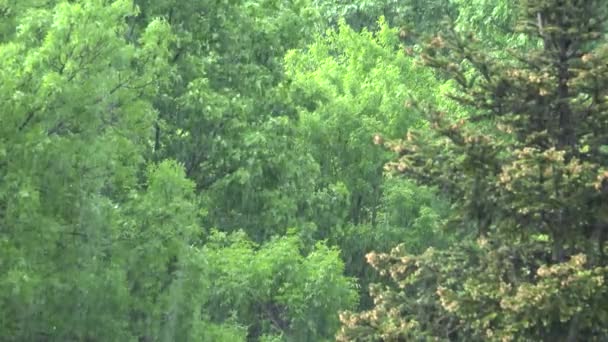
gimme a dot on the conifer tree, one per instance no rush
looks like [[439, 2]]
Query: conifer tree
[[527, 173]]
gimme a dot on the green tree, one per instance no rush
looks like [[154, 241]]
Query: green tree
[[274, 288], [526, 172], [75, 118], [349, 87], [422, 14], [223, 116], [490, 20], [159, 226]]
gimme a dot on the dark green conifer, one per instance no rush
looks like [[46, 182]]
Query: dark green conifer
[[527, 175]]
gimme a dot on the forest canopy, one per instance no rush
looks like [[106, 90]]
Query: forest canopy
[[267, 170]]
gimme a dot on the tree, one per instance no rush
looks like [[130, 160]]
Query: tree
[[526, 172], [273, 288], [159, 226], [100, 227], [75, 119], [422, 14], [223, 115], [348, 87]]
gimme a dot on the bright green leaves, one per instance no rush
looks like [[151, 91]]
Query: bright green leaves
[[349, 87], [157, 237], [166, 210], [80, 62], [75, 121], [491, 21], [274, 288], [129, 130]]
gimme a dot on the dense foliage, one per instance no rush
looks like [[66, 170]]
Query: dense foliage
[[526, 173], [266, 170]]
